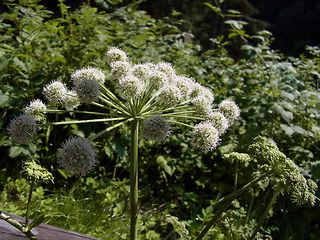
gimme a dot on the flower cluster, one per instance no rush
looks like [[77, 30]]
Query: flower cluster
[[37, 172], [170, 89], [156, 128], [77, 155], [37, 109], [23, 128], [286, 173]]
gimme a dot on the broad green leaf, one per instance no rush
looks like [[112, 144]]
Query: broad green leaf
[[288, 130]]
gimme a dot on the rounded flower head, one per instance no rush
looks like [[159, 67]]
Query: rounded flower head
[[229, 109], [37, 109], [158, 79], [219, 121], [205, 136], [77, 156], [88, 73], [141, 71], [54, 92], [170, 94], [199, 90], [156, 128], [202, 105], [119, 69], [166, 68], [185, 85], [88, 90], [131, 86], [23, 128], [71, 100], [115, 54]]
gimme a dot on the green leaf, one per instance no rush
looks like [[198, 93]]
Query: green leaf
[[36, 222], [15, 151], [164, 165], [4, 100], [4, 64], [288, 130]]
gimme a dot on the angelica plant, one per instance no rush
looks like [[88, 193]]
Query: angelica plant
[[153, 96]]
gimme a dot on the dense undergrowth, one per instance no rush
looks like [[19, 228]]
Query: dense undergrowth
[[278, 96]]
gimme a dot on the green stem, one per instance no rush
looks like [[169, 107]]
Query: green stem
[[228, 200], [109, 129], [84, 121], [76, 111], [17, 225], [29, 202], [264, 215], [180, 123], [236, 176], [134, 180]]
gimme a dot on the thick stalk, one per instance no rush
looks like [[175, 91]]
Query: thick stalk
[[134, 180], [264, 215]]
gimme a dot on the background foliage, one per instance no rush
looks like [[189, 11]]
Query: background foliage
[[278, 96]]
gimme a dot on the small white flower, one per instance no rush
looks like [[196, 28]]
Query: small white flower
[[158, 79], [119, 70], [185, 85], [219, 121], [156, 128], [202, 105], [77, 156], [88, 90], [23, 128], [229, 109], [199, 90], [167, 69], [37, 109], [115, 54], [170, 94], [88, 73], [71, 100], [141, 71], [205, 136], [131, 86], [54, 92]]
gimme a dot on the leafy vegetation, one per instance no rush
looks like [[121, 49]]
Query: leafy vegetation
[[278, 97]]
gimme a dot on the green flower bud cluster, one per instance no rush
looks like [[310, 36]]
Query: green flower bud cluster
[[37, 172], [286, 173]]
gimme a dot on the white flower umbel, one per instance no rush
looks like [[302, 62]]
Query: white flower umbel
[[229, 109], [219, 121], [23, 128], [54, 92], [88, 73], [166, 68], [131, 86], [142, 71], [71, 100], [205, 136], [185, 85], [88, 90], [156, 128], [115, 54], [119, 69], [37, 109], [170, 94], [158, 79], [202, 105], [77, 156]]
